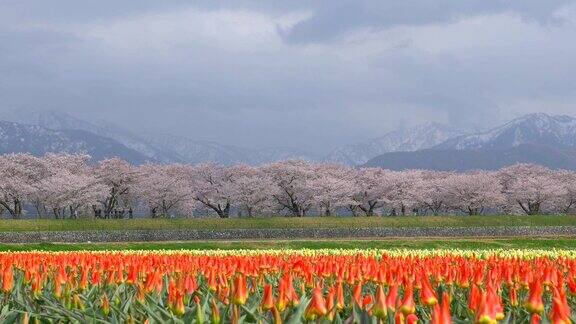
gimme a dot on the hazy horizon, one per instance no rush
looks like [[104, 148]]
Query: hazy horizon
[[306, 74]]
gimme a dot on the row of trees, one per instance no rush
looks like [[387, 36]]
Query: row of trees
[[64, 185]]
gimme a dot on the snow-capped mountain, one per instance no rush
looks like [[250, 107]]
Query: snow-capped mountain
[[57, 120], [535, 138], [193, 151], [38, 140], [420, 137], [539, 128], [164, 148], [273, 154]]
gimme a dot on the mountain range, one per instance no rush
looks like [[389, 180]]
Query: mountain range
[[537, 138], [151, 147], [420, 137], [38, 140]]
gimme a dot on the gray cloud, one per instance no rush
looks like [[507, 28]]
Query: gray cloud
[[308, 74], [333, 18]]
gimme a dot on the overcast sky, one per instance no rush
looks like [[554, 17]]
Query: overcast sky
[[311, 74]]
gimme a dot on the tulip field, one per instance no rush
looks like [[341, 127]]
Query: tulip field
[[289, 286]]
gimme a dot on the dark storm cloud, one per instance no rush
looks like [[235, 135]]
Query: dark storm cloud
[[289, 73], [333, 18]]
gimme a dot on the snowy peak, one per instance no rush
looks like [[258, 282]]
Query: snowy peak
[[58, 120], [164, 148], [542, 129], [420, 137], [38, 140], [193, 151]]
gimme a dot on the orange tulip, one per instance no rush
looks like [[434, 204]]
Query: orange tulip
[[240, 290], [487, 311], [105, 304], [441, 314], [408, 306], [411, 319], [474, 298], [7, 280], [235, 318], [215, 318], [317, 306], [560, 312], [535, 319], [357, 294], [513, 296], [366, 301], [392, 297], [379, 309], [330, 304], [282, 301], [276, 315], [534, 304], [340, 304], [268, 298], [428, 296]]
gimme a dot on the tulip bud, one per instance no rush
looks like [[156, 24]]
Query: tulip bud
[[199, 311], [268, 298], [7, 280], [534, 304], [408, 306], [215, 313], [240, 290], [379, 308], [317, 306], [105, 305]]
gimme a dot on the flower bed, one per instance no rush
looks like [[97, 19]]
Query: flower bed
[[271, 286]]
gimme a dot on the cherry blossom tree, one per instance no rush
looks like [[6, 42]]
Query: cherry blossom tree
[[332, 186], [65, 185], [252, 190], [119, 177], [164, 188], [213, 187], [369, 187], [69, 192], [564, 200], [430, 191], [19, 173], [400, 193], [474, 192], [293, 179], [529, 187], [70, 185]]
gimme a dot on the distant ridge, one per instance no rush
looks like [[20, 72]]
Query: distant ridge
[[37, 140], [534, 138], [484, 159], [163, 148], [419, 137], [557, 131]]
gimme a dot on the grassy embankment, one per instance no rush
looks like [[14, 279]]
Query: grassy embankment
[[511, 243], [283, 222], [307, 222]]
